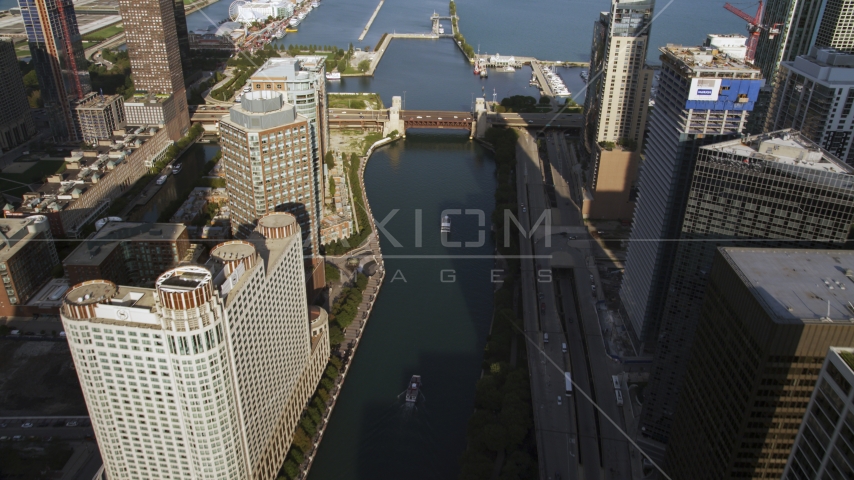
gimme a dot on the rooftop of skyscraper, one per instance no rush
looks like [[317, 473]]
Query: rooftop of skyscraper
[[702, 58], [113, 234], [798, 286], [783, 146], [277, 68], [263, 109]]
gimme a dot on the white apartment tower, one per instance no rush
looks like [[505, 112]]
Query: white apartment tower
[[618, 93], [207, 374]]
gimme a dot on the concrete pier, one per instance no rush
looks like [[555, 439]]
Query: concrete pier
[[371, 21]]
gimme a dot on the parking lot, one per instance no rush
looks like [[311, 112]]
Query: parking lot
[[37, 379], [44, 428]]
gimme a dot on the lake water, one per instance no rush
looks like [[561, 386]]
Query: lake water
[[546, 29]]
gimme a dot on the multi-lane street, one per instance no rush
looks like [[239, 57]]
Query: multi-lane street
[[580, 438]]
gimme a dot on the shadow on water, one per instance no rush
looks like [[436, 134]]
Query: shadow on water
[[412, 441], [421, 324]]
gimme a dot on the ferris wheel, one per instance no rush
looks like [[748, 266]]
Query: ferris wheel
[[234, 10]]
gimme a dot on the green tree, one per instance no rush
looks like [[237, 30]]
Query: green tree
[[291, 469], [336, 336], [302, 440], [494, 436], [331, 372], [331, 187], [31, 81], [332, 273], [364, 65], [342, 65]]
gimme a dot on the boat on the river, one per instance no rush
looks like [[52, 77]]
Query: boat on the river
[[484, 72], [509, 69], [446, 224], [162, 180], [295, 21], [333, 76], [441, 29], [177, 169], [413, 389], [315, 4]]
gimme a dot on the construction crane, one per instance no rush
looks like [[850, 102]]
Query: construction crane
[[754, 28]]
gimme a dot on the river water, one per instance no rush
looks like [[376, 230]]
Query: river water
[[420, 325], [177, 186]]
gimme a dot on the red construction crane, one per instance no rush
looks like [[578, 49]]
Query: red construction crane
[[754, 28]]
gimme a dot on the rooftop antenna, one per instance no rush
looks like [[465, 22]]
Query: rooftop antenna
[[494, 96]]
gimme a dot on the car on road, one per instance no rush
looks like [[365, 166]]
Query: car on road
[[530, 121], [17, 438], [3, 439], [541, 295], [4, 425], [559, 400], [71, 424], [27, 425], [524, 210], [542, 307], [573, 237], [419, 116]]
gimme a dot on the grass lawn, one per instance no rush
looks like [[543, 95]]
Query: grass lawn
[[357, 102], [10, 183], [104, 33]]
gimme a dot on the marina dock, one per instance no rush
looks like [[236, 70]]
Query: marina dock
[[371, 21]]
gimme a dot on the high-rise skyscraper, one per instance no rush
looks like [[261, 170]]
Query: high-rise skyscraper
[[303, 81], [205, 375], [836, 27], [16, 121], [704, 97], [768, 320], [59, 60], [267, 156], [815, 94], [775, 190], [822, 447], [99, 116], [618, 91], [155, 56], [796, 21], [793, 28], [183, 39]]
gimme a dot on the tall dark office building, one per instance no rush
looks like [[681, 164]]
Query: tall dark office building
[[183, 39], [59, 60], [767, 322], [704, 97], [155, 56], [16, 121], [774, 190]]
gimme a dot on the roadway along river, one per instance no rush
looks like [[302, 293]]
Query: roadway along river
[[420, 325]]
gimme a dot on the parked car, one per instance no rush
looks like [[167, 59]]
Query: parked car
[[27, 425], [71, 424]]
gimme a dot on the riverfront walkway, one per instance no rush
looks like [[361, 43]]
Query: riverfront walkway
[[353, 333]]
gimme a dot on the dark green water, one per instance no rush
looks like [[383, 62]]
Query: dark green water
[[420, 325]]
